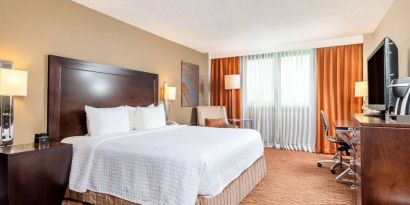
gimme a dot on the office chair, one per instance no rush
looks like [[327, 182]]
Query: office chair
[[337, 160], [343, 177]]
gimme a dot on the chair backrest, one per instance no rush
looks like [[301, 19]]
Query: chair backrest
[[326, 126], [210, 112]]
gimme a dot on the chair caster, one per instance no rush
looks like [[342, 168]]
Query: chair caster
[[333, 171], [353, 187], [319, 164]]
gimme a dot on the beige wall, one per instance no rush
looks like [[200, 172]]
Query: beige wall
[[396, 25], [33, 29]]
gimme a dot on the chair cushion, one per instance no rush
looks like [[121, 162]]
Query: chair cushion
[[214, 122]]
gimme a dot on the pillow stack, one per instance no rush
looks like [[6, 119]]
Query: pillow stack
[[147, 117], [103, 121], [131, 112]]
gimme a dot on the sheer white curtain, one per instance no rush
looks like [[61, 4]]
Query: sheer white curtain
[[278, 94]]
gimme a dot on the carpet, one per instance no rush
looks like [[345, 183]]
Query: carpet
[[294, 178]]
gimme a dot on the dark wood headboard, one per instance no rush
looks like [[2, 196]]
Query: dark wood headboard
[[72, 84]]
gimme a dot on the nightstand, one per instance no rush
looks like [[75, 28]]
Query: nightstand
[[245, 122], [32, 174]]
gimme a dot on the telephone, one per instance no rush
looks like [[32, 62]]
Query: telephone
[[41, 138]]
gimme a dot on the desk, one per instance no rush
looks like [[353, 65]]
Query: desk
[[382, 161], [343, 124]]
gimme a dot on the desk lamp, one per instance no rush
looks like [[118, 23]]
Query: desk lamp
[[12, 83], [360, 90], [232, 83]]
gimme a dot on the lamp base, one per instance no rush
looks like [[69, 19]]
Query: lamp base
[[166, 106], [6, 121], [365, 106], [6, 143]]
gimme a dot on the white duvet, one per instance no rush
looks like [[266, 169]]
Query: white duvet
[[170, 165]]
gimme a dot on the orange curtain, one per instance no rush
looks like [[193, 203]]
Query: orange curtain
[[337, 69], [220, 96]]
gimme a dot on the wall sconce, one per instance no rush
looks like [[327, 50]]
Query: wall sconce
[[12, 83], [169, 94]]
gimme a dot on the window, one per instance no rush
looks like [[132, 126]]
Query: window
[[270, 76], [278, 92], [261, 82], [295, 80]]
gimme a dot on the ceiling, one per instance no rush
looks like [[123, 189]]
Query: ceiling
[[212, 26]]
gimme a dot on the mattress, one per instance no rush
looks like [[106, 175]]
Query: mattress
[[233, 194], [169, 165]]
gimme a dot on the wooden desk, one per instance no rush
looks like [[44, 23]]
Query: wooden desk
[[382, 161]]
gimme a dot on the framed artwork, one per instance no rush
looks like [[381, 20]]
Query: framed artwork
[[189, 84]]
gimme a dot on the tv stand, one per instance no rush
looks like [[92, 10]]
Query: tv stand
[[381, 161], [374, 113]]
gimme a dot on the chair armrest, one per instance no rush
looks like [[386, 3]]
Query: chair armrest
[[172, 123], [344, 131], [230, 126]]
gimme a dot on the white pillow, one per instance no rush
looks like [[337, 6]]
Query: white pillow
[[131, 113], [101, 121], [150, 117]]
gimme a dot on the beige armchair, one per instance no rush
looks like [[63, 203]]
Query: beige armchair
[[212, 112]]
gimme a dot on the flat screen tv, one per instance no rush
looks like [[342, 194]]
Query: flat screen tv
[[382, 68]]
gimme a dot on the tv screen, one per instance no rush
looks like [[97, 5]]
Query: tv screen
[[382, 68], [376, 77]]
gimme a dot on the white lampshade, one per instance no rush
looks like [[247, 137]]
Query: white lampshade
[[13, 82], [170, 93], [232, 82], [360, 89]]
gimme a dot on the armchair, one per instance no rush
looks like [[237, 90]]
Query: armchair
[[212, 112]]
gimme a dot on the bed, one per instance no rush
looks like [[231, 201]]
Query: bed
[[170, 165]]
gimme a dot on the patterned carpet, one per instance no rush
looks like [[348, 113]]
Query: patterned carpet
[[293, 178]]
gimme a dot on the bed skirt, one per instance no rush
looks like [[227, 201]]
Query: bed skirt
[[233, 194]]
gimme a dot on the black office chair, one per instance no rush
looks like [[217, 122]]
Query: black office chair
[[338, 160]]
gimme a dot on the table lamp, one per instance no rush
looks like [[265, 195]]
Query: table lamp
[[12, 83], [360, 90], [169, 94], [232, 82]]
